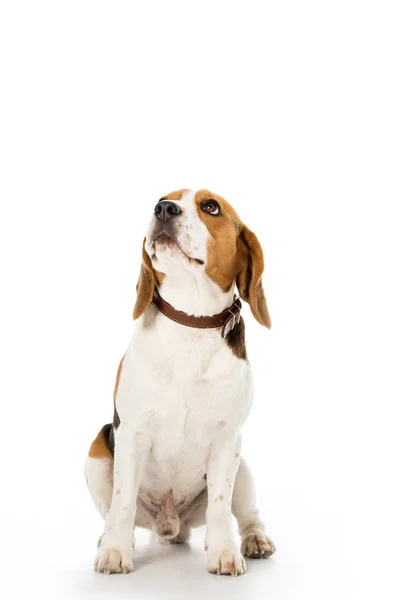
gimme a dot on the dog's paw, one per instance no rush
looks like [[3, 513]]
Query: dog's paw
[[226, 562], [257, 546], [114, 560]]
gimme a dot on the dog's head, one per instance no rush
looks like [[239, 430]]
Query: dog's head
[[199, 233]]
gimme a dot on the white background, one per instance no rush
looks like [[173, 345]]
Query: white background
[[290, 110]]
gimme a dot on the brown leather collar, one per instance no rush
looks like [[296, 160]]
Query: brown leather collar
[[226, 319]]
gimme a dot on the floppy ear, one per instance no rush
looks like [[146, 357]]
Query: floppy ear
[[249, 281], [145, 285]]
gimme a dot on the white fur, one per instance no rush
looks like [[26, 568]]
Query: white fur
[[182, 399], [99, 477]]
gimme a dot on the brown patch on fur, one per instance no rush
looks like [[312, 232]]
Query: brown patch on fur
[[236, 340], [237, 455], [177, 195], [118, 492], [220, 498], [234, 254], [249, 281], [223, 260], [159, 277], [100, 446], [117, 379], [145, 285], [148, 277]]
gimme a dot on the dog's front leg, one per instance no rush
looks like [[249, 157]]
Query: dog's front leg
[[115, 552], [224, 557]]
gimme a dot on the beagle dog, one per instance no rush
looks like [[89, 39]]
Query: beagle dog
[[171, 458]]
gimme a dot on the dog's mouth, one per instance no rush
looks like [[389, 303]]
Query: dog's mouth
[[166, 239]]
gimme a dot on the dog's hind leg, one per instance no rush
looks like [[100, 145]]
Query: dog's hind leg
[[99, 468], [255, 543]]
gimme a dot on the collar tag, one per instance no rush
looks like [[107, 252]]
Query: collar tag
[[232, 320]]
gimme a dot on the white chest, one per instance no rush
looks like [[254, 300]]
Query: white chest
[[181, 388]]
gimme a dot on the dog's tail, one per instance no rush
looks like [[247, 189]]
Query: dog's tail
[[167, 522]]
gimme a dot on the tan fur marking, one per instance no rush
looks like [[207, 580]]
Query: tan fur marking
[[223, 260], [145, 285], [99, 448], [249, 281], [118, 492], [118, 377], [159, 277], [234, 255]]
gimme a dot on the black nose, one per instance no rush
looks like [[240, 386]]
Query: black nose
[[165, 210]]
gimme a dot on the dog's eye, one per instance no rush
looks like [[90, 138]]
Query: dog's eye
[[211, 207]]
